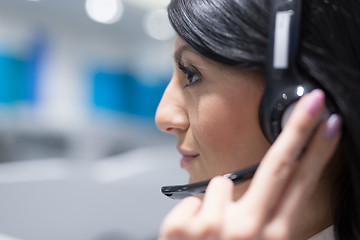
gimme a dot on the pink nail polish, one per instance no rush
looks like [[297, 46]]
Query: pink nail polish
[[317, 98], [333, 126]]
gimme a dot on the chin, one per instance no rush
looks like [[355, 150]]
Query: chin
[[194, 179]]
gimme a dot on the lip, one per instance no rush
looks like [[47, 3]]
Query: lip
[[188, 157]]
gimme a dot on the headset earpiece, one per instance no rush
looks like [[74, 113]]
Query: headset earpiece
[[283, 86], [276, 107]]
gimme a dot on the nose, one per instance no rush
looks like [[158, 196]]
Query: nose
[[171, 115]]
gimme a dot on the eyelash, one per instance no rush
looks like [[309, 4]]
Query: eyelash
[[191, 75]]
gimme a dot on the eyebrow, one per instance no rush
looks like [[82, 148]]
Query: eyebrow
[[181, 50]]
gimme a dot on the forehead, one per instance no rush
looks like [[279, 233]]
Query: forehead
[[181, 47], [183, 52], [179, 42]]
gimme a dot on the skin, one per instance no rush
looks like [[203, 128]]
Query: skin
[[216, 120], [189, 114]]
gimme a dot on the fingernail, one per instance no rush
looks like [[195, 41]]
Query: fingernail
[[333, 126], [317, 97]]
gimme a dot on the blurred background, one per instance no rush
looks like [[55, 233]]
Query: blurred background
[[80, 155]]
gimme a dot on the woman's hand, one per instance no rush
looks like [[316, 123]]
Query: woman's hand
[[285, 180]]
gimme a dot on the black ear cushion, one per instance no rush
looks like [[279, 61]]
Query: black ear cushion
[[278, 102], [277, 105]]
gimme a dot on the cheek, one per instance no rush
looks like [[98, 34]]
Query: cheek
[[230, 137], [221, 126]]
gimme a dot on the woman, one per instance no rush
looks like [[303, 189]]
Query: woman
[[211, 104]]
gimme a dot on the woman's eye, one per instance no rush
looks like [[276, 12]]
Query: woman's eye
[[192, 76]]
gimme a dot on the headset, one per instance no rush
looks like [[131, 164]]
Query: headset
[[283, 88]]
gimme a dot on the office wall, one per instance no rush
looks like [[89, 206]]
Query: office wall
[[80, 155], [68, 81]]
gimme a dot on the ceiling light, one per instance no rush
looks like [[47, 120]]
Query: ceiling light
[[156, 25], [149, 3], [104, 11]]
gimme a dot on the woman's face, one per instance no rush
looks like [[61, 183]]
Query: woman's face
[[213, 111]]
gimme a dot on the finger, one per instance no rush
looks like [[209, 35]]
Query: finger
[[176, 222], [279, 162], [312, 164], [208, 223], [218, 193]]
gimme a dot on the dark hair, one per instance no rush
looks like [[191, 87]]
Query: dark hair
[[234, 32]]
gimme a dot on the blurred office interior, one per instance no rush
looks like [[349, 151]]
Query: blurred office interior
[[80, 155]]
